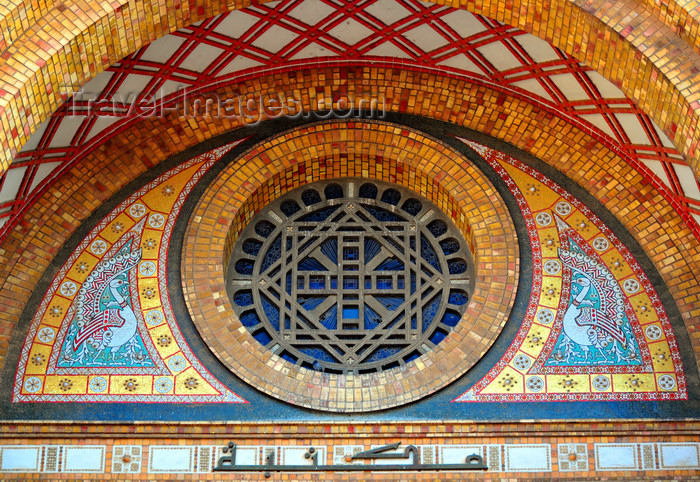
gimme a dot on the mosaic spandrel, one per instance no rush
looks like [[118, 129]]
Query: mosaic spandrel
[[595, 328], [105, 330]]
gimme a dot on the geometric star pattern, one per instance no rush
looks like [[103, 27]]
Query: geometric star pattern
[[293, 34]]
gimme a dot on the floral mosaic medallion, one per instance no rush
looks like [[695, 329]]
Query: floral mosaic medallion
[[595, 328], [105, 331]]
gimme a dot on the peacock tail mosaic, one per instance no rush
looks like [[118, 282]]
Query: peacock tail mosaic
[[595, 328], [105, 330]]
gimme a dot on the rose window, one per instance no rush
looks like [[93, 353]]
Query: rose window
[[350, 276]]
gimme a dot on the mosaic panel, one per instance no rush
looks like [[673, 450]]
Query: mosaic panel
[[105, 330], [595, 328], [127, 459], [573, 457]]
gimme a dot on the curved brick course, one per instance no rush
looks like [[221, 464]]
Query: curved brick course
[[629, 44], [645, 213]]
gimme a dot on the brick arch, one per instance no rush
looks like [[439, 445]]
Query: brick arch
[[31, 246], [660, 66]]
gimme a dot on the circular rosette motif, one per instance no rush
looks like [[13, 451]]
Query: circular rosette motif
[[350, 275]]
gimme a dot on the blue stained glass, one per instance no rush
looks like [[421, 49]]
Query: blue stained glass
[[317, 282], [382, 214], [244, 266], [318, 354], [451, 318], [311, 264], [330, 249], [391, 196], [319, 215], [437, 228], [372, 248], [457, 297], [330, 318], [390, 302], [413, 282], [289, 208], [382, 353], [333, 191], [391, 264], [429, 312], [310, 303], [250, 319], [412, 206], [243, 298], [428, 253], [310, 197], [262, 337], [252, 246], [264, 228], [289, 357], [368, 191], [273, 254], [351, 254], [384, 283], [457, 266], [351, 313], [449, 246], [351, 283], [372, 318], [289, 283], [272, 312], [411, 357], [437, 337]]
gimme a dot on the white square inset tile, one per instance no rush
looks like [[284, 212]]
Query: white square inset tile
[[616, 457], [87, 459], [679, 456], [457, 454], [20, 458], [170, 459], [297, 455], [528, 458]]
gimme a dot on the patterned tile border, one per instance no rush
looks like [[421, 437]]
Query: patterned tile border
[[501, 458]]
